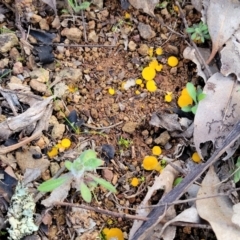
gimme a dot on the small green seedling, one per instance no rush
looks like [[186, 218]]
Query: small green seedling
[[236, 176], [74, 5], [124, 143], [80, 172], [197, 95], [199, 32], [177, 181]]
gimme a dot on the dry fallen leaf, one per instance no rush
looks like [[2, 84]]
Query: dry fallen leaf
[[163, 181], [217, 210], [222, 20], [147, 6], [222, 101]]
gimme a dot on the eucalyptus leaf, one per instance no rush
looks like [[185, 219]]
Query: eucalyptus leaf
[[85, 192], [192, 91], [51, 184]]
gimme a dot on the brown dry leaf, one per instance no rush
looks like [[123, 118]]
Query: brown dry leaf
[[217, 210], [223, 102], [147, 6], [163, 181], [222, 20]]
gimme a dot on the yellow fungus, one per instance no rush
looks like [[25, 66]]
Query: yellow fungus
[[150, 51], [156, 150], [172, 61], [53, 152], [138, 81], [135, 182], [66, 143], [153, 64], [158, 168], [159, 51], [127, 15], [168, 97], [113, 234], [150, 163], [184, 101], [159, 67], [196, 158], [151, 86], [148, 73], [137, 92], [176, 9], [111, 91]]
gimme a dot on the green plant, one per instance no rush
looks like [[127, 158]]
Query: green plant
[[76, 7], [197, 95], [125, 143], [236, 175], [80, 172], [199, 32]]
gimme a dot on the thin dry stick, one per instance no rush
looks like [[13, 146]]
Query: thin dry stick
[[84, 24], [208, 70], [194, 199], [75, 45], [102, 211], [102, 128]]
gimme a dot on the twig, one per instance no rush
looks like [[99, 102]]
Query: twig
[[102, 128], [83, 23], [102, 211], [194, 199], [74, 45]]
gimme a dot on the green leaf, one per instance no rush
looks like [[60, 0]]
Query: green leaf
[[201, 96], [86, 155], [104, 183], [51, 184], [192, 91], [68, 165], [84, 5], [190, 30], [85, 192], [93, 164], [194, 109], [177, 181], [187, 109]]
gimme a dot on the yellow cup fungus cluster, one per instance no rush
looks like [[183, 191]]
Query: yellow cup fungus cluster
[[185, 99], [196, 158], [64, 144], [135, 182], [113, 233]]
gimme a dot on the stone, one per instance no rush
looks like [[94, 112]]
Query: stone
[[92, 36], [162, 139], [17, 68], [129, 127], [74, 75], [107, 174], [7, 42], [145, 133], [91, 25], [98, 3], [44, 24], [149, 141], [38, 86], [173, 50], [94, 113], [73, 34], [40, 74], [54, 167], [146, 31], [143, 49], [58, 130], [132, 46]]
